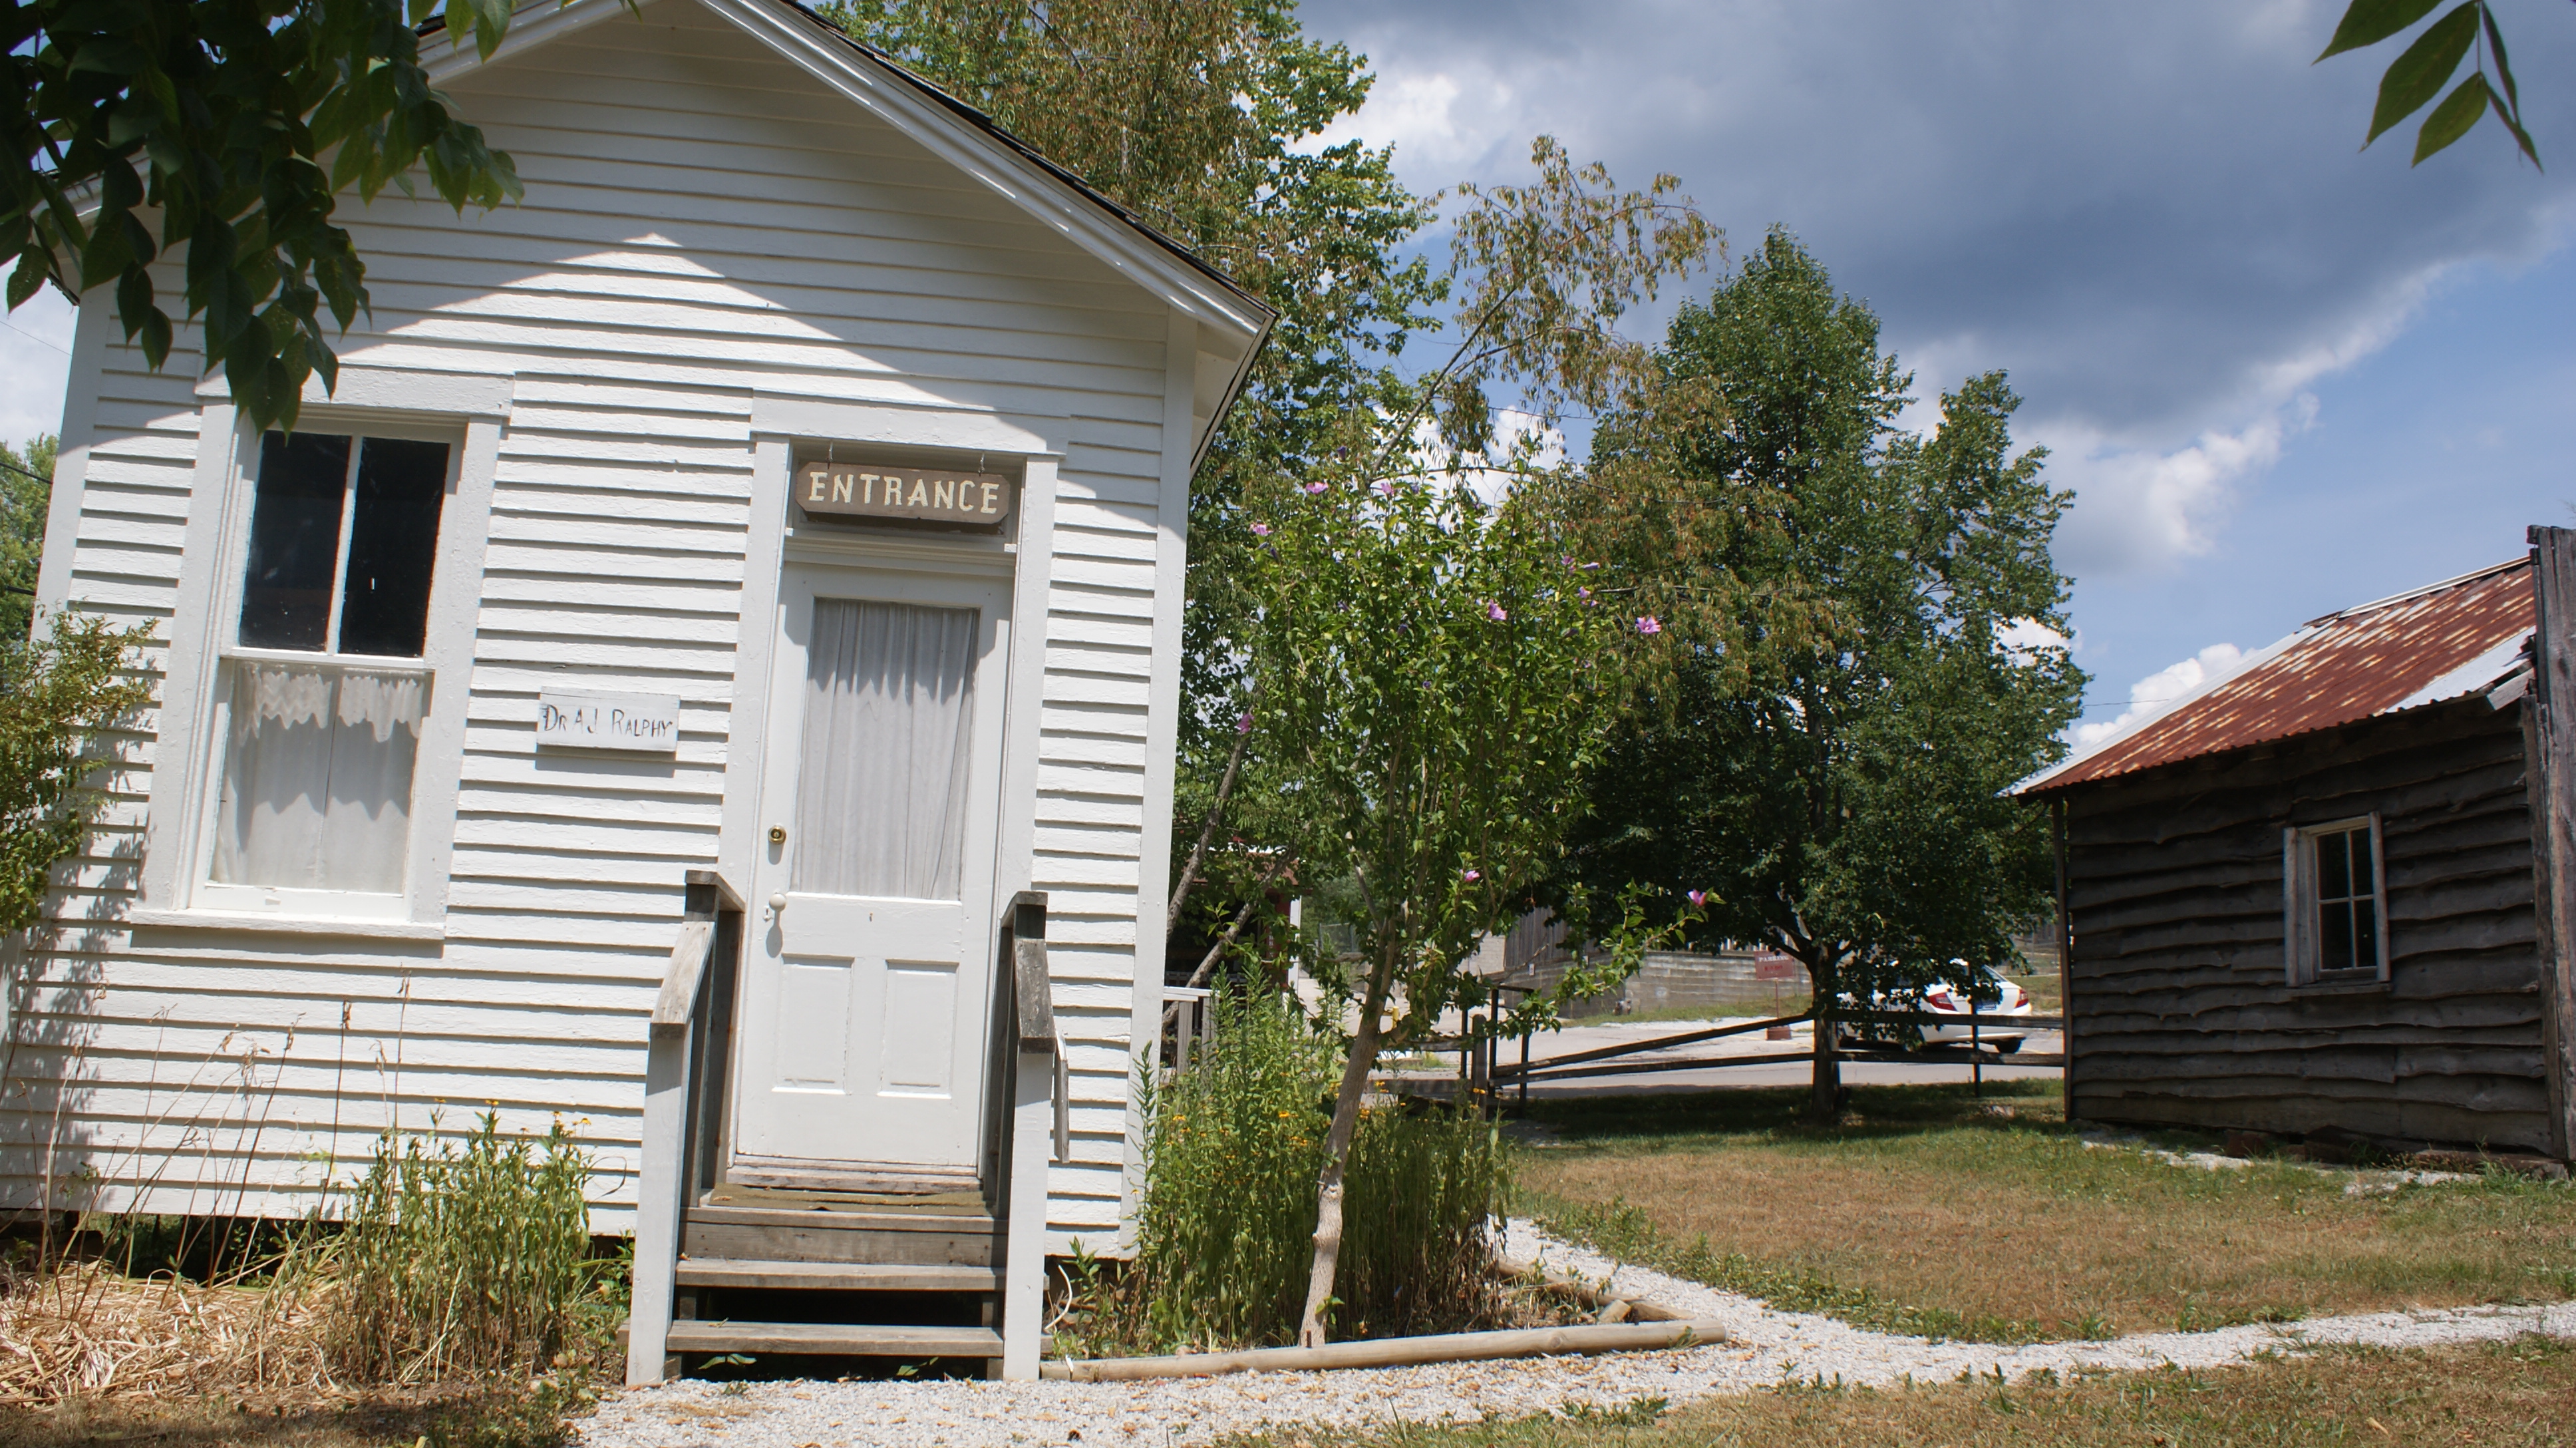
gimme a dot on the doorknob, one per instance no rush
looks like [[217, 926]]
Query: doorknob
[[777, 903]]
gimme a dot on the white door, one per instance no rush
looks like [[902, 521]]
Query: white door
[[866, 999]]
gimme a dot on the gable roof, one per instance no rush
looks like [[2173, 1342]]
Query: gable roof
[[966, 138], [2461, 636]]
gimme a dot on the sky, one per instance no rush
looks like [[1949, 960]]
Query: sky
[[2283, 375]]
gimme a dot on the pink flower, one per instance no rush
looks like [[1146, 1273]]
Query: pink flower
[[1495, 612], [1583, 593], [1647, 625], [1472, 875], [1260, 530], [1315, 487], [1386, 490], [1698, 897], [1243, 722]]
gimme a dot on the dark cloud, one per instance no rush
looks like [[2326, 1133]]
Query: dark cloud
[[2153, 215]]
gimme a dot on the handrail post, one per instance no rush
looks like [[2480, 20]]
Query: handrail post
[[662, 1184], [1040, 1132]]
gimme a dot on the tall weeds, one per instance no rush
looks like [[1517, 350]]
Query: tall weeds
[[460, 1260], [1225, 1231]]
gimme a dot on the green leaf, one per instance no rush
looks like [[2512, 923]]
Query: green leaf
[[156, 338], [2368, 22], [2453, 117], [2504, 67], [2521, 137], [29, 276], [110, 54], [2414, 78]]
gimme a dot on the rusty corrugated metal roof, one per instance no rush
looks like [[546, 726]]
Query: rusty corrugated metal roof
[[2453, 638]]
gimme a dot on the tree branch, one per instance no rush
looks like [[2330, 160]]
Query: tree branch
[[1207, 831]]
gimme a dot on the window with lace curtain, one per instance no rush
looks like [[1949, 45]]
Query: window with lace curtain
[[324, 687]]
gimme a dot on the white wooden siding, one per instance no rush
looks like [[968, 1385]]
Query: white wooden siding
[[702, 220]]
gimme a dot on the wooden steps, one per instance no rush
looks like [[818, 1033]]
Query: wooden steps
[[836, 1276], [835, 1339], [918, 1282], [828, 1234]]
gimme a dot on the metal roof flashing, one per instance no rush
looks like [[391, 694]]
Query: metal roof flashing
[[2427, 646]]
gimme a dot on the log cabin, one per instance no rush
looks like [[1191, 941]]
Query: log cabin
[[708, 673], [2314, 898]]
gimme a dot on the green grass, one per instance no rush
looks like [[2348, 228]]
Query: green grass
[[1930, 1211]]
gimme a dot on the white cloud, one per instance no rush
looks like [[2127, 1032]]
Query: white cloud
[[1513, 429], [2139, 508], [2026, 638], [35, 358], [2160, 690], [1449, 121]]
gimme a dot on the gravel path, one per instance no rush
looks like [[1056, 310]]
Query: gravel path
[[1768, 1348]]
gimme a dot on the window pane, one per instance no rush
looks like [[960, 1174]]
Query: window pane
[[2360, 861], [2334, 937], [392, 542], [2334, 867], [2365, 935], [889, 712], [317, 781], [294, 541]]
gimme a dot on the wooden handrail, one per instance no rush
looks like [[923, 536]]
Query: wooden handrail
[[679, 998], [1031, 991], [727, 897]]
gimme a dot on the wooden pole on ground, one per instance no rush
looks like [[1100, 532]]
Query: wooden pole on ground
[[1454, 1347]]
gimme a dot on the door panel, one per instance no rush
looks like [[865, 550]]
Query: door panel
[[865, 1002], [814, 1025], [920, 1027]]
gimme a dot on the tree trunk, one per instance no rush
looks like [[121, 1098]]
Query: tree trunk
[[1337, 1155], [1824, 1099]]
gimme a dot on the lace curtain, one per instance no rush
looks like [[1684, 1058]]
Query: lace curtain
[[881, 797], [317, 779]]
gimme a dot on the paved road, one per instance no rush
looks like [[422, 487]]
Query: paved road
[[1802, 1039]]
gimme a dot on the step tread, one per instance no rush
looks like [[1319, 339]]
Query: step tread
[[843, 1276], [834, 1219], [847, 1339]]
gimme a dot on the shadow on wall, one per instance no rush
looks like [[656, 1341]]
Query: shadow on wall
[[112, 1099]]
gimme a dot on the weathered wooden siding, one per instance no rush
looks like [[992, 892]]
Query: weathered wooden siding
[[702, 220], [2183, 1011]]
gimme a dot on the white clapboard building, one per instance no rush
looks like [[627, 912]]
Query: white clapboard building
[[710, 672]]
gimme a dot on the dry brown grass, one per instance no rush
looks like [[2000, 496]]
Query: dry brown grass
[[1924, 1212], [2508, 1395], [87, 1332], [88, 1355], [377, 1421]]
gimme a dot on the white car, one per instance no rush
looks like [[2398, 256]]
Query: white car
[[1948, 1005]]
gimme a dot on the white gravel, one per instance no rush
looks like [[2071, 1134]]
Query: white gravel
[[1767, 1348]]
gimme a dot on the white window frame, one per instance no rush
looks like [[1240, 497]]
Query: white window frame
[[2299, 901], [178, 888]]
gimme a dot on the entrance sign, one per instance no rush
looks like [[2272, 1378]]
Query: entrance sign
[[927, 495], [646, 722]]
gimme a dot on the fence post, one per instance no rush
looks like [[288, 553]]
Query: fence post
[[1976, 1051]]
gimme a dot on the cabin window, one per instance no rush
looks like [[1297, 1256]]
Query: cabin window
[[2336, 904], [324, 684]]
